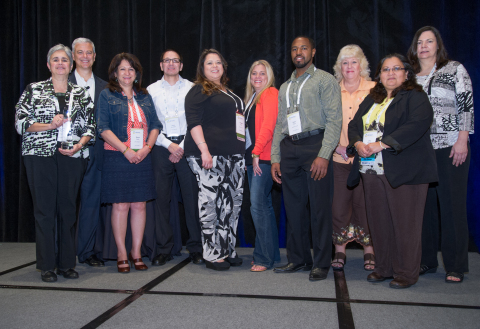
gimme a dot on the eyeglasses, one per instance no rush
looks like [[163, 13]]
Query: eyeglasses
[[171, 60], [394, 69]]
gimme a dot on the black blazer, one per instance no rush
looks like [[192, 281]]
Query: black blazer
[[98, 147], [411, 158]]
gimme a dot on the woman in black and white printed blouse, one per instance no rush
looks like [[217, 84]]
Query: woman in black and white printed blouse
[[48, 113], [449, 89]]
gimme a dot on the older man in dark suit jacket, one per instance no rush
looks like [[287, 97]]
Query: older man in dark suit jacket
[[90, 226]]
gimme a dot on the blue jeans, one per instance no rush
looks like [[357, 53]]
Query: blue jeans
[[266, 250]]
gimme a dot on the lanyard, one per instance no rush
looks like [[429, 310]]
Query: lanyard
[[383, 108], [234, 99], [299, 91], [248, 107], [135, 105], [434, 68], [165, 99]]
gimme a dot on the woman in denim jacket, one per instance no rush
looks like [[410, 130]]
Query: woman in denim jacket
[[48, 113], [128, 123]]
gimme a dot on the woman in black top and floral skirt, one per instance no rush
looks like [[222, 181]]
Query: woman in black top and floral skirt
[[215, 148]]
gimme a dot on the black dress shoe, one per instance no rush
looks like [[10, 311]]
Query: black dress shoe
[[217, 266], [424, 269], [318, 273], [68, 274], [291, 267], [375, 277], [399, 284], [161, 259], [235, 261], [197, 258], [94, 261], [49, 276]]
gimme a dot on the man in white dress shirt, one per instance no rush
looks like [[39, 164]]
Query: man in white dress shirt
[[169, 98]]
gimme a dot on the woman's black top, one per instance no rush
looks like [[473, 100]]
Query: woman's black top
[[217, 116]]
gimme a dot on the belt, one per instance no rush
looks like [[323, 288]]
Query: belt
[[306, 134], [175, 139]]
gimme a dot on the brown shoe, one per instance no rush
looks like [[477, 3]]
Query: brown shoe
[[124, 269], [141, 265], [375, 277], [399, 284]]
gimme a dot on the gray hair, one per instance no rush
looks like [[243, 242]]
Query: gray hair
[[57, 48], [352, 51], [82, 40]]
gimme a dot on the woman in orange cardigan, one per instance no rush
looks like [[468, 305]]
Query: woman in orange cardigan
[[261, 112]]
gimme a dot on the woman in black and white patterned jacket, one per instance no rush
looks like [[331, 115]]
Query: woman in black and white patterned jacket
[[48, 113], [449, 89]]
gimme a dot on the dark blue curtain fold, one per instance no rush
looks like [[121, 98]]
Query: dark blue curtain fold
[[243, 31]]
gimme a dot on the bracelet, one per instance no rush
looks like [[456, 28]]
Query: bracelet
[[255, 156], [125, 150], [201, 143], [381, 145], [83, 145], [149, 146], [355, 145]]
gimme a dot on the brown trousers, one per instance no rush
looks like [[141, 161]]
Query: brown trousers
[[395, 217]]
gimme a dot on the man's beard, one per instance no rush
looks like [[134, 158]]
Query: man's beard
[[301, 65]]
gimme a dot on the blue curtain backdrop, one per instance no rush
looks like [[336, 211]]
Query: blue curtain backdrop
[[242, 30]]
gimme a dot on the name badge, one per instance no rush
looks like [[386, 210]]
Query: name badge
[[294, 123], [369, 137], [248, 141], [240, 127], [172, 126], [136, 138]]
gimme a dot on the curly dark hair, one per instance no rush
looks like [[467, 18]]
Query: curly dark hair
[[379, 93], [113, 84], [209, 86], [442, 56]]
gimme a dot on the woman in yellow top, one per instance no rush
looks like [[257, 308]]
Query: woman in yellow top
[[348, 210]]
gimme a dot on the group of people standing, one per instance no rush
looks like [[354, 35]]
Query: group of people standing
[[370, 161]]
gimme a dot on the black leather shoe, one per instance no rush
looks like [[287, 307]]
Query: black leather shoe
[[375, 277], [291, 267], [235, 261], [424, 269], [217, 266], [318, 273], [94, 261], [161, 259], [399, 284], [68, 274], [197, 258], [49, 276]]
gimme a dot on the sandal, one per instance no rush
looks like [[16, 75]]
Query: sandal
[[336, 260], [455, 275], [258, 268], [369, 260]]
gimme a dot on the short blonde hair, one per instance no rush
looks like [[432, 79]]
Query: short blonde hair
[[350, 51], [249, 90]]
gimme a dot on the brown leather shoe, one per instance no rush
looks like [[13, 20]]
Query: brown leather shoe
[[133, 262], [375, 277], [125, 269], [399, 284]]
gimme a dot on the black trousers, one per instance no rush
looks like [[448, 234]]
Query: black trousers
[[54, 183], [91, 225], [298, 189], [447, 203], [164, 171]]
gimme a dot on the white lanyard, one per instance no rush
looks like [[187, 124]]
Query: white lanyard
[[139, 117], [385, 106], [299, 91], [165, 100], [434, 68], [248, 108], [241, 103]]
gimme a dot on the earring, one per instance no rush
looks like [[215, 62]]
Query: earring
[[136, 81], [116, 79]]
